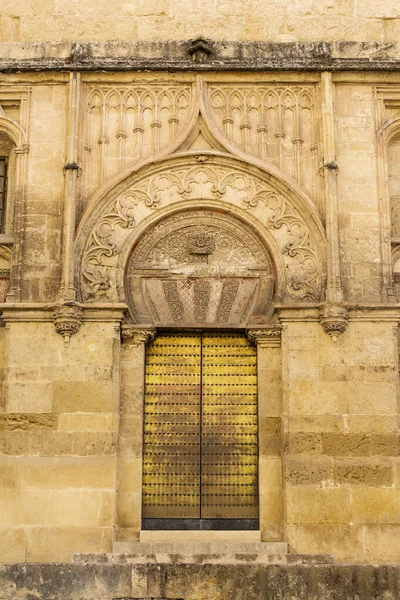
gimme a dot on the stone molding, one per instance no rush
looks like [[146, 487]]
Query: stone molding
[[176, 55], [267, 337]]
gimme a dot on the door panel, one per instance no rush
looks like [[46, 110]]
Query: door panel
[[200, 428], [229, 428], [171, 463]]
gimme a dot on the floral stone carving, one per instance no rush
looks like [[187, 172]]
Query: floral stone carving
[[222, 180]]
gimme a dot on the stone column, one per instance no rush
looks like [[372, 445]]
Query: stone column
[[268, 341], [130, 446], [333, 313]]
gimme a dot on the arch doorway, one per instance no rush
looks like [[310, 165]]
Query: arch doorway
[[199, 279], [200, 460]]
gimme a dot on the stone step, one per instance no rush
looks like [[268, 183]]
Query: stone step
[[190, 535], [184, 556], [186, 547]]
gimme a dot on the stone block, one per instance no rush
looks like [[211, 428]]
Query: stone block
[[50, 443], [372, 424], [12, 545], [73, 507], [29, 396], [315, 505], [9, 473], [27, 422], [67, 472], [316, 398], [375, 505], [382, 543], [335, 444], [270, 473], [130, 475], [316, 423], [16, 443], [93, 443], [60, 543], [343, 541], [87, 422], [316, 471], [303, 443], [129, 510], [83, 396], [363, 471]]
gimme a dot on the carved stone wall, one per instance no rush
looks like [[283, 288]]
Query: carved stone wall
[[295, 239]]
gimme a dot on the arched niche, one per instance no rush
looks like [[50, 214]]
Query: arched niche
[[287, 224], [393, 152], [200, 268]]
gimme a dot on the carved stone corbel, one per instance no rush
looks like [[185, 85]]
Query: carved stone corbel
[[334, 319], [67, 320], [268, 337], [200, 49], [135, 336]]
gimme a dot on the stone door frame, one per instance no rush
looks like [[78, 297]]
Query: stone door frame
[[130, 447]]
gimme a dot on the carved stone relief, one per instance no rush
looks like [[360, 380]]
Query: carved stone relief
[[200, 268], [222, 181], [273, 122], [126, 123]]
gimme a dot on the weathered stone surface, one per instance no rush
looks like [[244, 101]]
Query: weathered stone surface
[[196, 582], [171, 54]]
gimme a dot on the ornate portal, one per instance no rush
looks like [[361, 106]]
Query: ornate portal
[[200, 268]]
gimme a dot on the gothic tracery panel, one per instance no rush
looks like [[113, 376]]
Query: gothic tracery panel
[[273, 122], [126, 123]]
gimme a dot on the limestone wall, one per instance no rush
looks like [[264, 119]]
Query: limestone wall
[[58, 436], [342, 452], [177, 19], [70, 471]]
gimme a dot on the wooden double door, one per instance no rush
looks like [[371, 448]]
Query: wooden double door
[[200, 431]]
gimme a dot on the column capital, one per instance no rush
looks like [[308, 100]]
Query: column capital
[[267, 337], [135, 336]]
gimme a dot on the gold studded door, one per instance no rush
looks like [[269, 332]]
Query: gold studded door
[[229, 451], [200, 428], [171, 467]]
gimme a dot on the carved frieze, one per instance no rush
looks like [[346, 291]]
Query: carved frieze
[[224, 181]]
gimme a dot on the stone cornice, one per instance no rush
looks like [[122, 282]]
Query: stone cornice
[[176, 55]]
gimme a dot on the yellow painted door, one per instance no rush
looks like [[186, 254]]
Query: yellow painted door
[[200, 428]]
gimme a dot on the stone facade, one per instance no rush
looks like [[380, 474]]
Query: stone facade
[[286, 153]]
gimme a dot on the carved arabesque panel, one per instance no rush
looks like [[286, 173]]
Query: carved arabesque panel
[[200, 268], [222, 180], [125, 123], [273, 122]]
